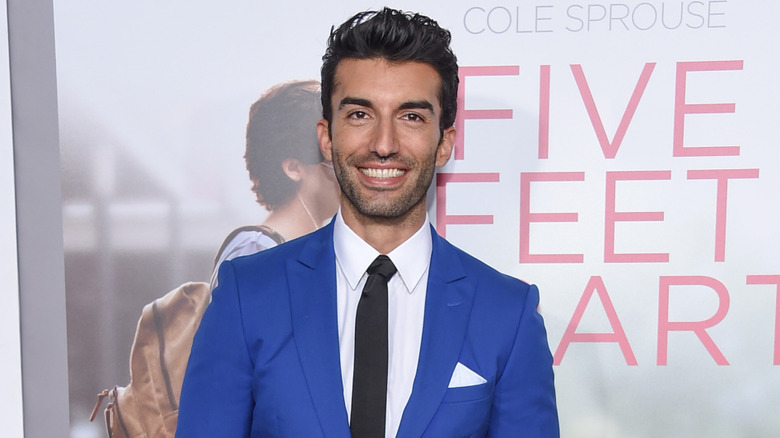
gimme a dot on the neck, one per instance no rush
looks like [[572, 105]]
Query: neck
[[382, 233], [291, 219]]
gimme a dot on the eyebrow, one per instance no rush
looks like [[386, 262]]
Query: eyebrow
[[417, 104], [412, 104], [355, 101]]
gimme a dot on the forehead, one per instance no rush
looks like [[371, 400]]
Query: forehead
[[380, 80]]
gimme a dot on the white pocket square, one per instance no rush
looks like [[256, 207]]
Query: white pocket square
[[463, 376]]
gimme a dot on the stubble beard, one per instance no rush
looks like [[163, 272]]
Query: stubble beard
[[401, 203]]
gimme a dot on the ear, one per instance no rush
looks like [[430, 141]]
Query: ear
[[323, 135], [444, 151], [293, 169]]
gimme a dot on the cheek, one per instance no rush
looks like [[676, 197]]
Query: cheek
[[347, 142], [428, 149]]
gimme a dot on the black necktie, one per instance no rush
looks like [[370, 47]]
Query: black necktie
[[369, 384]]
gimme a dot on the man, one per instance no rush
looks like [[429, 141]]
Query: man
[[282, 349]]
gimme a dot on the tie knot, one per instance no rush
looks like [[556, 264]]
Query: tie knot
[[383, 266]]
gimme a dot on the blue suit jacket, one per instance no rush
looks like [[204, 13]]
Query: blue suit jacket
[[265, 360]]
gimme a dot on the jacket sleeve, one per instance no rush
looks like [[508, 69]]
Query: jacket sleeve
[[216, 398], [524, 403]]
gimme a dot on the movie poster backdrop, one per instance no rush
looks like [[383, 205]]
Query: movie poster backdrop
[[621, 155]]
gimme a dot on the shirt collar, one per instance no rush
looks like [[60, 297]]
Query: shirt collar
[[354, 255]]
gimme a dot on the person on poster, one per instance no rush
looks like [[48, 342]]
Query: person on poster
[[289, 175], [374, 325]]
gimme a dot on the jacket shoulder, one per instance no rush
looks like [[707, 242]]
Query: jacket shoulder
[[474, 266]]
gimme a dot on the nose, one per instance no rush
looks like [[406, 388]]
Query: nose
[[385, 141]]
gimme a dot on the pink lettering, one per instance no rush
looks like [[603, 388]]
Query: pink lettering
[[526, 217], [610, 148], [544, 111], [700, 328], [611, 217], [771, 279], [464, 114], [442, 218], [681, 109], [617, 335], [722, 177]]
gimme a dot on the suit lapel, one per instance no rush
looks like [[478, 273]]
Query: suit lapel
[[312, 280], [448, 304]]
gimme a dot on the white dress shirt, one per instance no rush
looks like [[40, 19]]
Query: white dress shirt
[[406, 310]]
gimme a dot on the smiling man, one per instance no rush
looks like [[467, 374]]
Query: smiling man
[[374, 326], [385, 123]]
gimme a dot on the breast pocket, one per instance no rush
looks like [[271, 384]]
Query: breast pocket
[[469, 393], [464, 412]]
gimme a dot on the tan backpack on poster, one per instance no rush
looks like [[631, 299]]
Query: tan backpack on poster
[[149, 405]]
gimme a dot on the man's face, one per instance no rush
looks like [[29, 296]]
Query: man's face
[[384, 138]]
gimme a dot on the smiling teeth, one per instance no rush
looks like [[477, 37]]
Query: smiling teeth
[[381, 173]]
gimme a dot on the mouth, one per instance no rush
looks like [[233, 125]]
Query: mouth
[[384, 173]]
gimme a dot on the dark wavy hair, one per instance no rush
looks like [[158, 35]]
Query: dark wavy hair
[[282, 124], [395, 36]]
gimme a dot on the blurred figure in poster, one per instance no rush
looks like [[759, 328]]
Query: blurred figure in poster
[[290, 177], [297, 186]]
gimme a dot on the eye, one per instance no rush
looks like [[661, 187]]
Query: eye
[[358, 115], [413, 117]]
